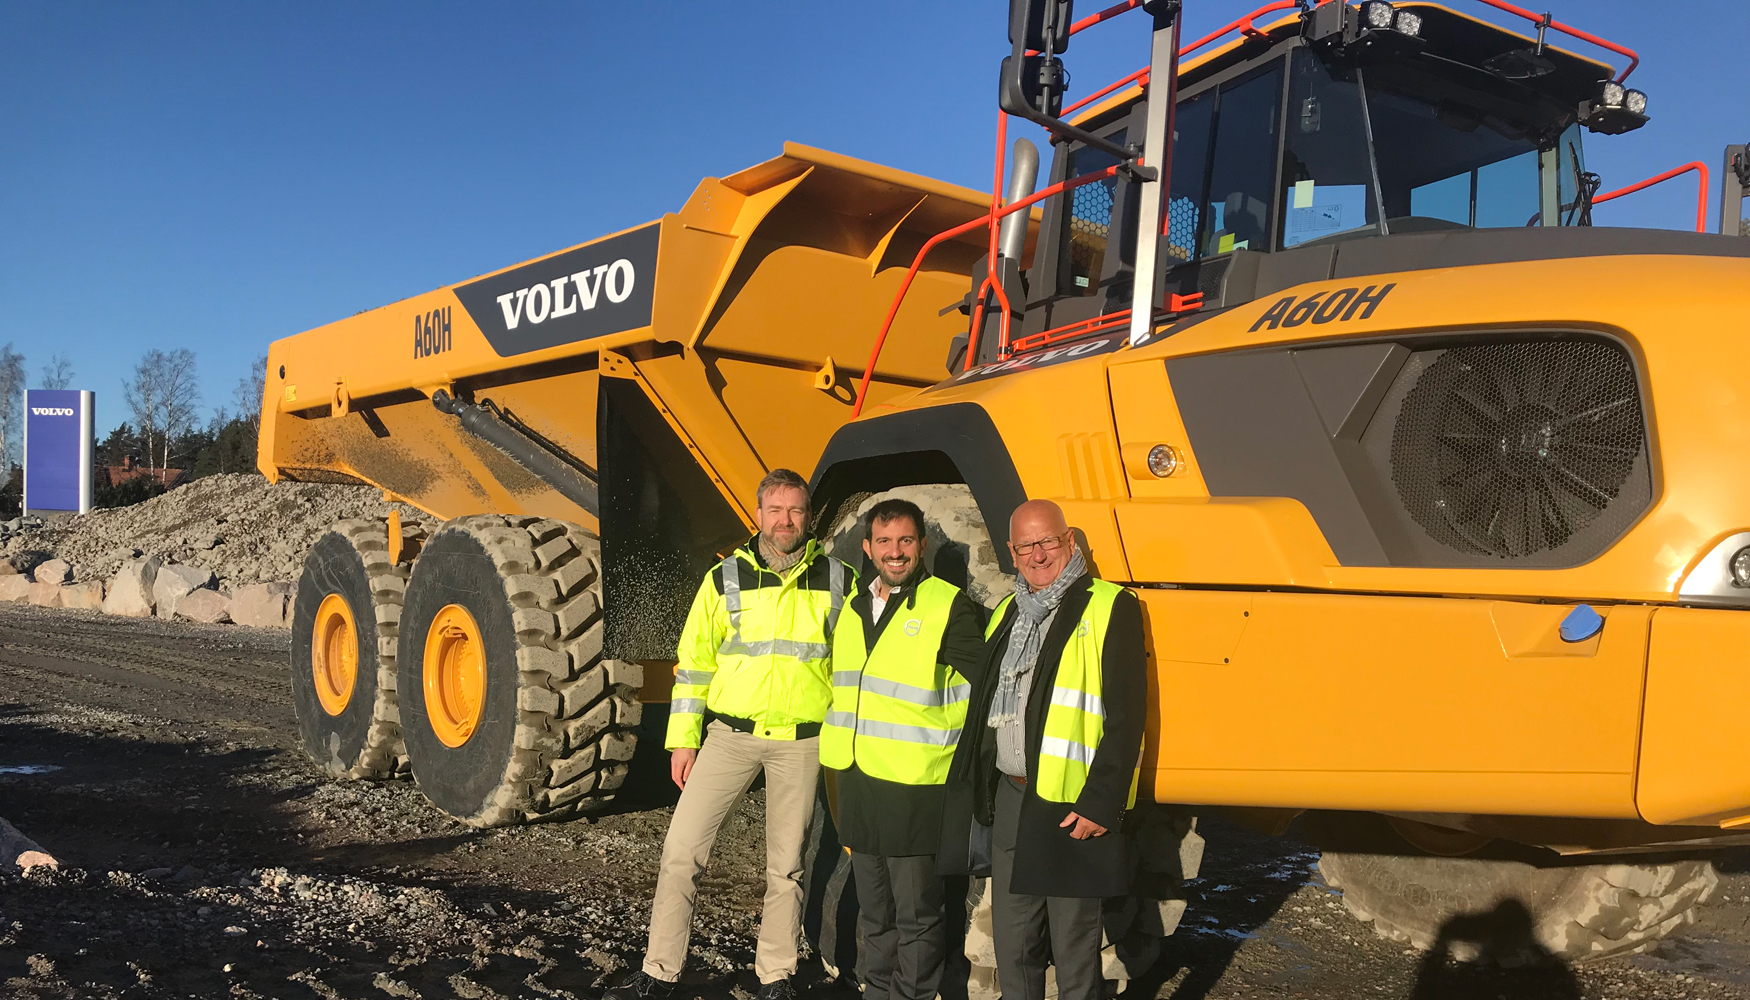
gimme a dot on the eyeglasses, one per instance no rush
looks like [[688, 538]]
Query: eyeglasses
[[1050, 543]]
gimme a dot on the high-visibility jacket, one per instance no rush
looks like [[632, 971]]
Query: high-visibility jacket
[[757, 646], [1076, 717], [897, 712]]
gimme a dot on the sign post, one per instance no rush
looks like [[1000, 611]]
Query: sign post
[[57, 450]]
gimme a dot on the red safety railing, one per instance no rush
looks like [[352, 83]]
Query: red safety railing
[[1701, 192], [1245, 26], [1572, 32]]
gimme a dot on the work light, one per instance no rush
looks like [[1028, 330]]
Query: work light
[[1377, 14], [1615, 110], [1409, 24]]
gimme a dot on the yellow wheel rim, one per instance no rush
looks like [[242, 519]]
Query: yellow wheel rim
[[455, 675], [334, 654]]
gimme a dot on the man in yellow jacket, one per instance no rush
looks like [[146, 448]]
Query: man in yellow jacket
[[751, 689], [903, 657]]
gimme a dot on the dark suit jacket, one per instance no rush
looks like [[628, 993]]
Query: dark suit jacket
[[1048, 862]]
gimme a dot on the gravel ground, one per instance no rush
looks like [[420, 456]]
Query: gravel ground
[[205, 857], [235, 525]]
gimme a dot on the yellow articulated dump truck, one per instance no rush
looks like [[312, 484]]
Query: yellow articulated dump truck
[[1432, 491]]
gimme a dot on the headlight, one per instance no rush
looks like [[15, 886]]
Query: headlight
[[1409, 24], [1722, 577], [1163, 461], [1376, 14], [1616, 109]]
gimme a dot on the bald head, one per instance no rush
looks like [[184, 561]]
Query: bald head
[[1040, 540]]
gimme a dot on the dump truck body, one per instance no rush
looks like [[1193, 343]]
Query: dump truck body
[[1427, 486]]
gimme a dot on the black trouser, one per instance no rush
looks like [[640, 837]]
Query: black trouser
[[1032, 932], [904, 930]]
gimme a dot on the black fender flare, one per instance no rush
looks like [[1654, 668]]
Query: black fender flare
[[953, 443]]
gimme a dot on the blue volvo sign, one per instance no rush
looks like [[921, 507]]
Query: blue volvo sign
[[57, 449]]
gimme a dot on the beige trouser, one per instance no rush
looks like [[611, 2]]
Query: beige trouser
[[728, 762]]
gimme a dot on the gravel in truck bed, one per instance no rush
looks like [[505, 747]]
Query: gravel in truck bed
[[203, 855]]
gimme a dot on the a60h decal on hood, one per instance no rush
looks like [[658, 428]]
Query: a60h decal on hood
[[589, 292]]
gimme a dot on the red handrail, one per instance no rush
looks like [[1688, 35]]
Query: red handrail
[[1700, 195], [948, 234], [1572, 32]]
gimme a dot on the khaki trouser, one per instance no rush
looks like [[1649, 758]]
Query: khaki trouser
[[727, 764]]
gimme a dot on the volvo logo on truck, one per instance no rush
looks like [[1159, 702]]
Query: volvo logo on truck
[[580, 294]]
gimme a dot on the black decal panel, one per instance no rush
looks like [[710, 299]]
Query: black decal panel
[[593, 291]]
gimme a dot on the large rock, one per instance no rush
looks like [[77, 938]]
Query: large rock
[[7, 566], [87, 596], [53, 571], [263, 605], [204, 606], [15, 589], [19, 851], [176, 581], [130, 592], [44, 594]]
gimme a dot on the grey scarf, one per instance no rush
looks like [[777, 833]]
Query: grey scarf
[[1033, 608]]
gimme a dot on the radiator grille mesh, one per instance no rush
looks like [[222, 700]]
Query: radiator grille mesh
[[1509, 449]]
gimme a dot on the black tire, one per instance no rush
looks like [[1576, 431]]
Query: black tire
[[1464, 906], [352, 560], [558, 723], [1166, 839]]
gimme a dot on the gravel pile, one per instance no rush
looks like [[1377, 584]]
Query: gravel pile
[[239, 527]]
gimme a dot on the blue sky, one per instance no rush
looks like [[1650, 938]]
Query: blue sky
[[215, 176]]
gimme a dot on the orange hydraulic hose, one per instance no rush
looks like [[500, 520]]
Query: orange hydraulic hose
[[1700, 195]]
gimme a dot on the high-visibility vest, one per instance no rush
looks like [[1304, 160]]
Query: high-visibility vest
[[757, 645], [897, 712], [1076, 717]]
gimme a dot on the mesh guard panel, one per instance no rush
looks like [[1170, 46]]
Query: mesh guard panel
[[1510, 449]]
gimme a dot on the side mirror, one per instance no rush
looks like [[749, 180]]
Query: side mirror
[[1033, 79], [1040, 25]]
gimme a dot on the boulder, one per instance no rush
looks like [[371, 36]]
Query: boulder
[[15, 589], [87, 596], [44, 594], [53, 571], [262, 605], [19, 851], [174, 582], [7, 566], [130, 592], [204, 606]]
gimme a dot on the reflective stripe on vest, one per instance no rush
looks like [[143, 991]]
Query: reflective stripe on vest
[[1076, 717], [897, 713], [778, 681]]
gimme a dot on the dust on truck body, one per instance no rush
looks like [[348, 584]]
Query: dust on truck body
[[1431, 491]]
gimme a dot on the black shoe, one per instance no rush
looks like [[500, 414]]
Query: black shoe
[[777, 990], [642, 986]]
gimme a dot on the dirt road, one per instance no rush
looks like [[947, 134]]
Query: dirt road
[[207, 858]]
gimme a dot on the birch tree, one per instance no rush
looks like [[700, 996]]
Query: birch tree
[[58, 373], [11, 406]]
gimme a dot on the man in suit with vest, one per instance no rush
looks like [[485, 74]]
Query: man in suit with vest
[[902, 656], [1048, 762], [751, 689]]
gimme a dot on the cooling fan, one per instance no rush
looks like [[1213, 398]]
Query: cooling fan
[[1510, 449]]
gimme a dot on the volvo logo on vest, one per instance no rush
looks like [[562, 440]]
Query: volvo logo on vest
[[913, 627], [51, 411], [595, 290]]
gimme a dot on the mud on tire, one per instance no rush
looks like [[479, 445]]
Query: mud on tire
[[557, 722], [1577, 913], [362, 740]]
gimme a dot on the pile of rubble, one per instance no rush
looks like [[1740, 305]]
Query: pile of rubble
[[143, 588], [220, 549]]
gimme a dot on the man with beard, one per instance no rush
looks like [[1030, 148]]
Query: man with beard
[[1049, 760], [752, 686], [902, 657]]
